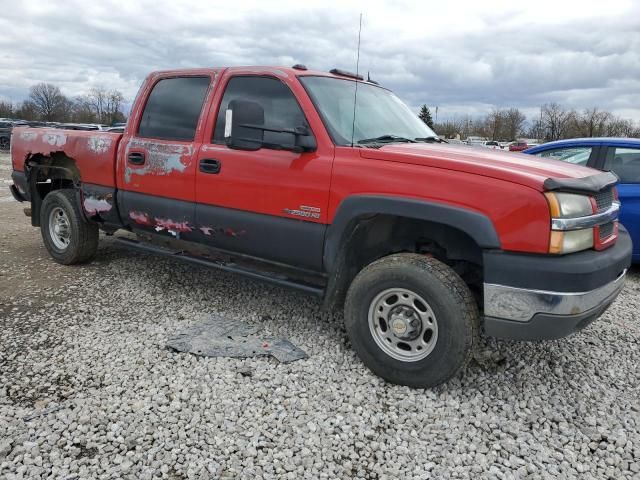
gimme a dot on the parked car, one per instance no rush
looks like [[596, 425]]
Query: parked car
[[619, 155], [5, 135], [262, 171], [518, 146], [492, 144]]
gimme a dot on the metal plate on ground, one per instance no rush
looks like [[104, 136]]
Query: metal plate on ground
[[226, 337]]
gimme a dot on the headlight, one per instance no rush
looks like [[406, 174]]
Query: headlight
[[569, 205]]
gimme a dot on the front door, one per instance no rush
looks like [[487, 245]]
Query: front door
[[271, 204], [157, 168]]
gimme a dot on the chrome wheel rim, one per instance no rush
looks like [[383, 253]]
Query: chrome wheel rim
[[403, 324], [59, 228]]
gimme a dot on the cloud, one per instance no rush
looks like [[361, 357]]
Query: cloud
[[465, 57]]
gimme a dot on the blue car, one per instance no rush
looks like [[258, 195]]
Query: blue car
[[621, 156]]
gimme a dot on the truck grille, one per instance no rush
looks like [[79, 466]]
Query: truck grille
[[606, 230], [604, 199]]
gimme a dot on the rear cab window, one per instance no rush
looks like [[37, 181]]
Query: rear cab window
[[173, 108]]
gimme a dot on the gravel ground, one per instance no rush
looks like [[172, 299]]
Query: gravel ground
[[87, 389]]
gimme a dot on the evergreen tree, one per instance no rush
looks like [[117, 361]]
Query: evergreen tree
[[425, 116]]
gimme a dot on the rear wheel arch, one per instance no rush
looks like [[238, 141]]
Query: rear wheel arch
[[47, 173], [366, 228]]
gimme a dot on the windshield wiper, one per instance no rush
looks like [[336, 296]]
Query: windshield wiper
[[387, 139], [430, 139]]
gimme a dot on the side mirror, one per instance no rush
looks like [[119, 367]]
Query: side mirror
[[244, 125], [305, 141]]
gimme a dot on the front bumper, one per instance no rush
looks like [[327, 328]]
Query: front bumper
[[550, 296]]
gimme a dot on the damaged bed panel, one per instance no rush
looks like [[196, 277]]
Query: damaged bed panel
[[93, 152], [99, 204]]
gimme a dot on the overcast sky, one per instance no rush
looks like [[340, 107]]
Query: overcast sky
[[465, 56]]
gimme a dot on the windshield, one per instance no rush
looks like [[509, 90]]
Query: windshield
[[379, 112]]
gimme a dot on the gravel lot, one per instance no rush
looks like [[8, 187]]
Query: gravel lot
[[87, 389]]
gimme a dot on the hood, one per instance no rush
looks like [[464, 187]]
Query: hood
[[512, 167]]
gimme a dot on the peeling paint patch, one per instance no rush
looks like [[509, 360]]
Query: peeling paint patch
[[140, 218], [99, 144], [160, 158], [229, 232], [28, 136], [95, 205], [172, 226], [55, 139]]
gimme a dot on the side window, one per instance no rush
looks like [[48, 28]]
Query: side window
[[281, 109], [575, 155], [624, 162], [173, 108]]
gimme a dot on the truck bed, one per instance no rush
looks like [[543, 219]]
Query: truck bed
[[94, 152]]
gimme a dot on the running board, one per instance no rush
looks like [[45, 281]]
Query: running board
[[274, 278]]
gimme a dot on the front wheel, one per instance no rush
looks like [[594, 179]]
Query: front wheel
[[68, 237], [411, 319]]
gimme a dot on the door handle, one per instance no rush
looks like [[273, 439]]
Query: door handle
[[210, 165], [136, 158]]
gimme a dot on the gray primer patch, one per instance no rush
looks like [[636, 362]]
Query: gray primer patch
[[99, 144], [226, 337], [93, 205], [55, 139], [28, 136], [160, 158]]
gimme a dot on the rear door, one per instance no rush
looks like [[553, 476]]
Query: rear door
[[156, 165], [624, 161], [268, 203]]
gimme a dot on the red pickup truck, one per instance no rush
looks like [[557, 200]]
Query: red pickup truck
[[265, 171]]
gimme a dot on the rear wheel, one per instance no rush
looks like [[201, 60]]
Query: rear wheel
[[411, 319], [68, 237], [4, 143]]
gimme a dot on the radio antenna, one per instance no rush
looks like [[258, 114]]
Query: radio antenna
[[355, 94]]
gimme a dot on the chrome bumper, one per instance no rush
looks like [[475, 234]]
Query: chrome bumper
[[521, 304]]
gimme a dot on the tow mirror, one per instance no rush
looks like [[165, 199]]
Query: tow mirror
[[244, 125], [244, 129]]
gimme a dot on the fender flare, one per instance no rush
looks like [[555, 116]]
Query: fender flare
[[475, 224]]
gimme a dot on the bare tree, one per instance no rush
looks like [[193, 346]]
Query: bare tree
[[105, 104], [49, 102], [591, 122], [514, 122], [6, 109], [555, 120], [27, 111]]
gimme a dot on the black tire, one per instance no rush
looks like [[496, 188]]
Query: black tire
[[448, 297], [83, 236]]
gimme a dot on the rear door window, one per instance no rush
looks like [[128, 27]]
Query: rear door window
[[624, 162], [575, 155], [173, 108]]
